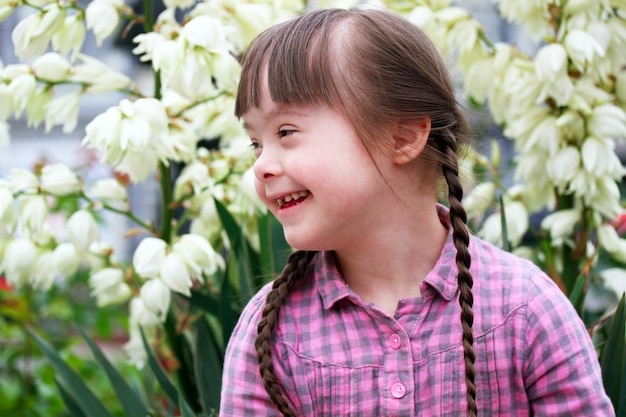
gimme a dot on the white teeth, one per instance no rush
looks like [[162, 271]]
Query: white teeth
[[290, 197]]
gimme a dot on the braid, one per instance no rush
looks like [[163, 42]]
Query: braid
[[460, 235], [295, 268]]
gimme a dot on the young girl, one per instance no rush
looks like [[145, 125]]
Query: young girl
[[389, 307]]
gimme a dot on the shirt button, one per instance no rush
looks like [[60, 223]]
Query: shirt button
[[398, 390], [395, 341]]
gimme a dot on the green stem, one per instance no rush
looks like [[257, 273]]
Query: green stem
[[571, 267], [182, 351]]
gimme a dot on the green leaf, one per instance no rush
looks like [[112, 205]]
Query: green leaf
[[85, 398], [247, 259], [230, 302], [506, 244], [184, 408], [208, 366], [132, 404], [164, 381], [274, 248], [577, 296], [613, 360], [70, 402]]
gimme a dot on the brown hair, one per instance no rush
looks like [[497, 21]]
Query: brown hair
[[373, 67]]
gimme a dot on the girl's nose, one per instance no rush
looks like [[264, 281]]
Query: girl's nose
[[267, 165]]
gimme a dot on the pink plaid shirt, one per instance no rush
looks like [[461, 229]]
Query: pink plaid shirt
[[338, 356]]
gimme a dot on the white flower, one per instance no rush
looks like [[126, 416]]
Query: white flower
[[612, 243], [133, 136], [70, 37], [82, 230], [149, 256], [582, 48], [249, 203], [156, 297], [99, 77], [516, 224], [108, 286], [66, 259], [102, 17], [43, 272], [206, 32], [23, 180], [59, 180], [63, 111], [252, 19], [175, 274], [32, 34], [599, 157], [109, 189], [607, 120], [551, 62], [6, 102], [17, 262], [615, 279], [561, 223], [22, 89], [135, 350], [33, 211], [51, 67], [141, 316], [479, 79], [479, 199], [563, 166], [8, 215], [198, 254]]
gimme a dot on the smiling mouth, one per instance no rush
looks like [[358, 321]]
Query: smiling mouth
[[292, 199]]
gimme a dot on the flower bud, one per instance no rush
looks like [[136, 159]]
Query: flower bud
[[156, 297], [59, 180], [108, 286], [51, 67], [109, 189], [551, 62], [175, 275], [82, 230], [149, 256]]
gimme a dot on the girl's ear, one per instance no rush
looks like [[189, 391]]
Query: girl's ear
[[409, 139]]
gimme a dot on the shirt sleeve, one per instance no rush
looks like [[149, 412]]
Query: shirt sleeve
[[562, 373], [243, 393]]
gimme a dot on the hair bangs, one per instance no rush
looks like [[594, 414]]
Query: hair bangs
[[294, 58]]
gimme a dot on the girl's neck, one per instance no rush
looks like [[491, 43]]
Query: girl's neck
[[391, 265]]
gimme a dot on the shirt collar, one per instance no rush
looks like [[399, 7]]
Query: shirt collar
[[442, 278]]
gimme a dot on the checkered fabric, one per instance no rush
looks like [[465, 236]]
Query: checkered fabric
[[336, 355]]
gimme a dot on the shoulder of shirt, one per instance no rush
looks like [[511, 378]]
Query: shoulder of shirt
[[505, 283]]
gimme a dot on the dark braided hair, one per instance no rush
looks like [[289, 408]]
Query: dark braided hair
[[295, 268], [375, 68]]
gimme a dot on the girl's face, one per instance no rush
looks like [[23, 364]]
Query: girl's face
[[315, 176]]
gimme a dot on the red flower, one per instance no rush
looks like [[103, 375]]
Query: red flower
[[4, 285]]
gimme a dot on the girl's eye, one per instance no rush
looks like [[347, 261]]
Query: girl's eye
[[285, 132]]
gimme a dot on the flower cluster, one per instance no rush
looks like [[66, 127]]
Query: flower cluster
[[193, 49], [564, 107]]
